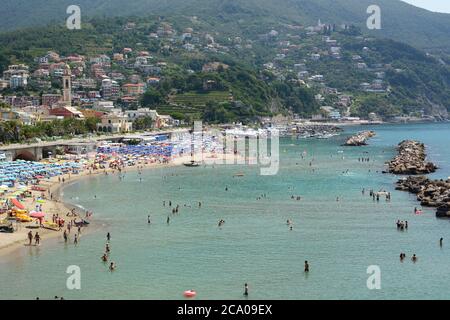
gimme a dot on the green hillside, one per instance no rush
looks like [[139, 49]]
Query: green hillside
[[400, 21], [262, 73]]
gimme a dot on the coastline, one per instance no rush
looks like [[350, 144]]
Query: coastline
[[12, 243]]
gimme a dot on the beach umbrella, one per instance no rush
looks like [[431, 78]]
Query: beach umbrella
[[17, 204], [38, 215]]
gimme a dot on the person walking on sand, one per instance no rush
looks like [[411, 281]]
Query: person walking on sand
[[37, 238], [30, 238]]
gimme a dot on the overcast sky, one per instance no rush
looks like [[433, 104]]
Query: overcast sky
[[432, 5]]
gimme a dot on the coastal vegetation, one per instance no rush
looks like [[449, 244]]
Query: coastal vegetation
[[401, 21], [17, 132]]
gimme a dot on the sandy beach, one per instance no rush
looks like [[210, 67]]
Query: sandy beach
[[10, 242]]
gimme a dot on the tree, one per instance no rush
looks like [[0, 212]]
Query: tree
[[152, 97], [143, 123]]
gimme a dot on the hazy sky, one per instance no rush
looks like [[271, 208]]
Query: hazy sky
[[432, 5]]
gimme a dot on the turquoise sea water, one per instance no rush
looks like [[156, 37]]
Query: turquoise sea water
[[339, 239]]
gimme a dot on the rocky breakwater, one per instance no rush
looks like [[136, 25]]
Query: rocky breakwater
[[360, 139], [430, 193], [411, 159]]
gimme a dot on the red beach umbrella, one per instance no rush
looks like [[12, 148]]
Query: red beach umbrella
[[38, 215], [17, 204]]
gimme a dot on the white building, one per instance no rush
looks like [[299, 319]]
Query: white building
[[17, 81]]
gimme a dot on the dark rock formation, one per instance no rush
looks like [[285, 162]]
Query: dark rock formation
[[430, 193], [411, 159], [360, 139]]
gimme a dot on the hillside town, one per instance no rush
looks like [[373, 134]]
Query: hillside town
[[111, 86]]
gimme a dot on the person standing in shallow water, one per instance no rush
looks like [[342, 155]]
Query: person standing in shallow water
[[30, 237], [441, 241], [306, 266], [246, 290], [37, 238]]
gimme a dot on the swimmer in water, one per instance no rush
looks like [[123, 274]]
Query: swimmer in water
[[246, 290], [104, 257], [112, 266], [414, 258]]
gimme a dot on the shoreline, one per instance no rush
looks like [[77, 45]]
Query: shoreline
[[18, 239]]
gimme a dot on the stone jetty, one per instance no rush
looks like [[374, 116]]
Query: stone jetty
[[430, 193], [411, 159], [360, 139]]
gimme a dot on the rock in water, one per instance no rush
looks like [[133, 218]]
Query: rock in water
[[411, 159], [360, 139]]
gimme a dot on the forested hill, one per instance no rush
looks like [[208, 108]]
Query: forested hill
[[400, 21], [278, 68]]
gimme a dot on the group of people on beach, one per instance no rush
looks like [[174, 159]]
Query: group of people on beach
[[58, 220], [67, 231]]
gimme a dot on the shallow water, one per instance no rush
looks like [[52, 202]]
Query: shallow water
[[339, 239]]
